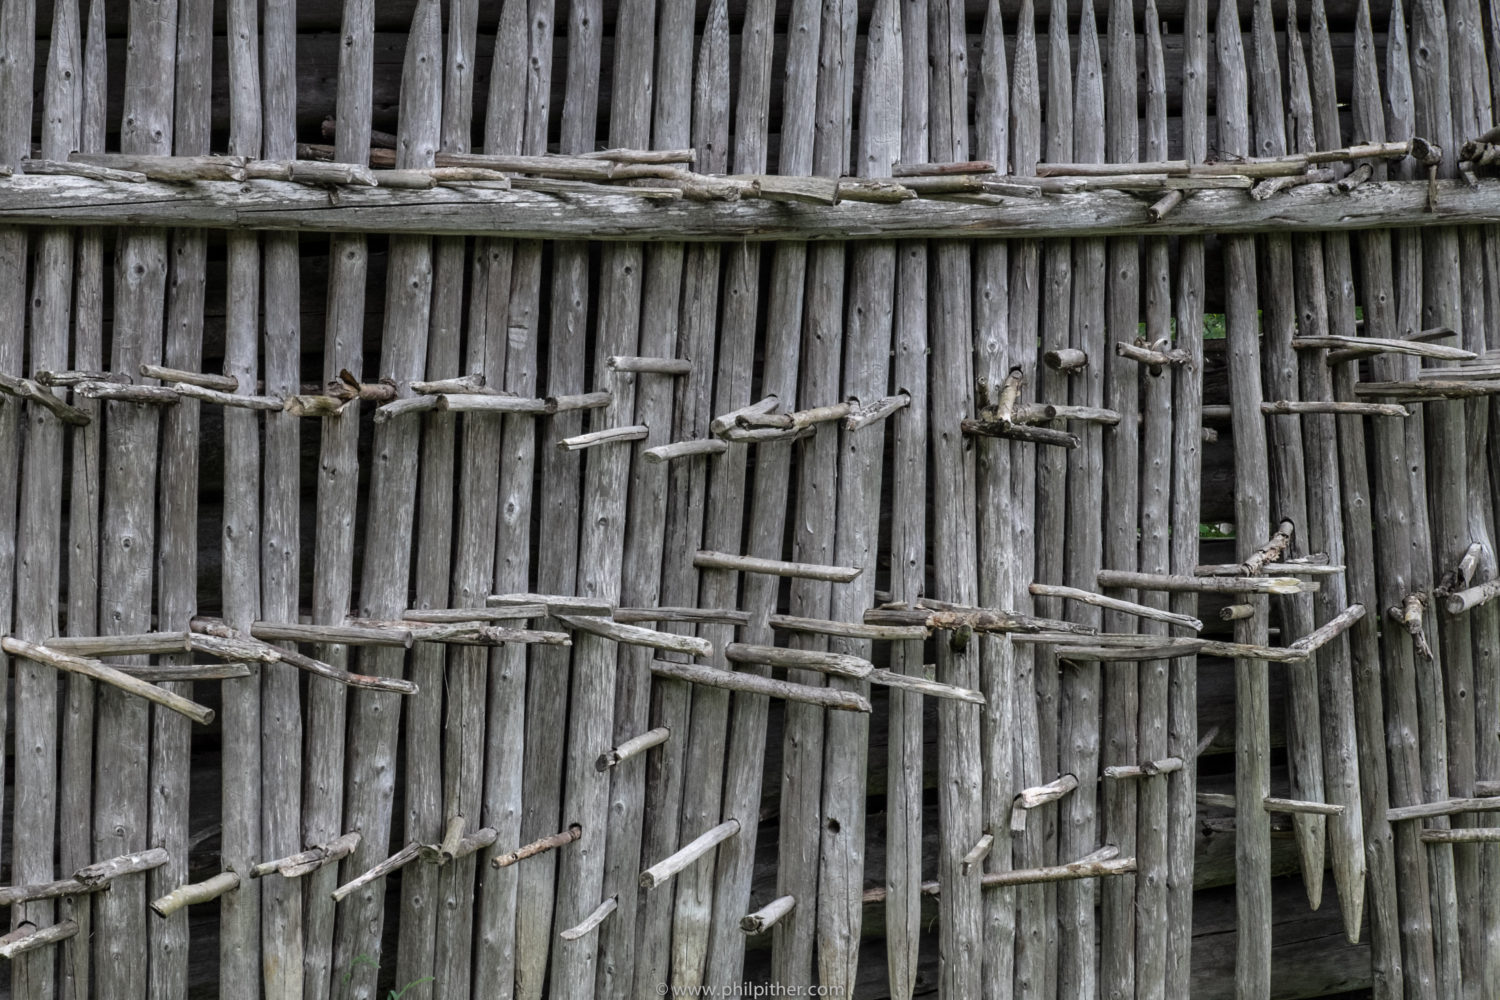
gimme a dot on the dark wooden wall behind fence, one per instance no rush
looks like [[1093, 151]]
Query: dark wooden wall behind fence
[[481, 607]]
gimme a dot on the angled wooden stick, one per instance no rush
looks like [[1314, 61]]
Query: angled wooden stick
[[669, 867], [1115, 604], [401, 858], [592, 921], [108, 675], [733, 680], [837, 664], [634, 635]]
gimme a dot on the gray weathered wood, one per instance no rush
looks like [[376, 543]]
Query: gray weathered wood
[[393, 485]]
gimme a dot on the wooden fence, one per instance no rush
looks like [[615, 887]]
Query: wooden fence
[[491, 481]]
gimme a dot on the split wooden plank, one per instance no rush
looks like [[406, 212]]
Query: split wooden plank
[[392, 492]]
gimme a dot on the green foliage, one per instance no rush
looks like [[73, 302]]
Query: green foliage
[[392, 994]]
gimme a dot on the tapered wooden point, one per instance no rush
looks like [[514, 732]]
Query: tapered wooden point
[[704, 559], [976, 854], [308, 861]]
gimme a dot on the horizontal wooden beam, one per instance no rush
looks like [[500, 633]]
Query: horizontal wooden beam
[[599, 213]]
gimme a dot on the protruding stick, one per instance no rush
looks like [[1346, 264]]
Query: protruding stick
[[794, 421], [1203, 584], [1444, 807], [704, 559], [665, 869], [154, 395], [610, 435], [217, 639], [1102, 862], [632, 747], [22, 388], [1164, 205], [1471, 597], [223, 383], [696, 616], [536, 847], [591, 921], [1068, 360], [1295, 568], [977, 854], [922, 685], [556, 604], [1030, 798], [1365, 346], [634, 635], [1410, 615], [959, 618], [580, 401], [1270, 551], [1115, 604], [1276, 805], [685, 449], [195, 892], [1332, 629], [482, 402], [1236, 612], [90, 879], [733, 680], [871, 413], [1035, 413], [310, 860], [401, 858], [148, 643], [848, 630], [1461, 835], [108, 675], [837, 664], [765, 918], [1019, 432], [1154, 360], [650, 366], [1280, 406], [28, 938], [1146, 769], [726, 421], [198, 392]]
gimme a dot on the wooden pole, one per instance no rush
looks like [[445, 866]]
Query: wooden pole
[[392, 493], [39, 523], [75, 796]]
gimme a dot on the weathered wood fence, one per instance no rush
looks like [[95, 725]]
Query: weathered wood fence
[[518, 498]]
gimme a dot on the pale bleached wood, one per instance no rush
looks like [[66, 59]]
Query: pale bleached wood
[[195, 892], [392, 490], [311, 860], [28, 938]]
